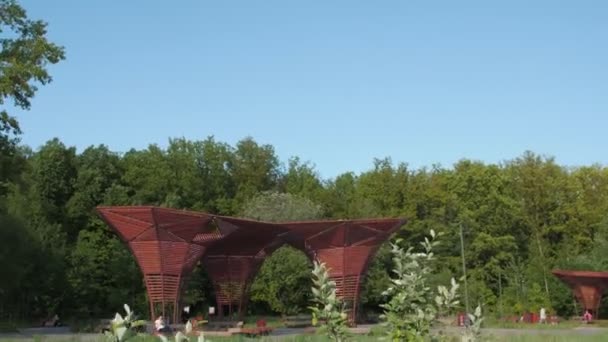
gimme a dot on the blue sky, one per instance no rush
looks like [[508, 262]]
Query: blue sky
[[337, 83]]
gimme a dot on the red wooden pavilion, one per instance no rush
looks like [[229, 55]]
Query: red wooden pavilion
[[346, 247], [588, 287], [233, 261], [168, 243]]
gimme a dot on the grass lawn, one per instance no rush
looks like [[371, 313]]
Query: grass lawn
[[536, 337], [6, 327], [551, 338], [494, 331], [307, 338], [562, 325]]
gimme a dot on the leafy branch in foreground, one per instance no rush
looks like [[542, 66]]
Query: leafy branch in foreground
[[473, 331], [187, 334], [123, 328], [413, 307], [328, 310]]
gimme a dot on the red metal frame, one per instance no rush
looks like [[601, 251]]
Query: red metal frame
[[346, 247], [588, 287]]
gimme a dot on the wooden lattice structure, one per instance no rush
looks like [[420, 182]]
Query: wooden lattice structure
[[587, 287], [346, 247], [233, 262], [167, 245]]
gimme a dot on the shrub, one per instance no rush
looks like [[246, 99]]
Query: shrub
[[328, 310], [413, 306]]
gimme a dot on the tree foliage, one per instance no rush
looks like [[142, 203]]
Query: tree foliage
[[283, 282], [25, 53], [520, 218]]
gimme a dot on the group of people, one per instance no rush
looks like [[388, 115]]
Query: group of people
[[542, 317]]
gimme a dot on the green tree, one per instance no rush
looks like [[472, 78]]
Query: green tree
[[16, 256], [540, 186], [384, 187], [283, 282], [53, 175], [148, 176], [342, 200], [254, 168], [24, 57], [102, 273], [377, 279], [302, 180], [98, 169], [219, 186], [273, 206]]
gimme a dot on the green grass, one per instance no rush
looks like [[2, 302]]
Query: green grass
[[300, 338], [7, 327], [562, 325], [515, 332], [525, 326], [552, 338], [539, 337]]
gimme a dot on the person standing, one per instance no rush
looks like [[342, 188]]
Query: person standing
[[587, 317], [543, 316]]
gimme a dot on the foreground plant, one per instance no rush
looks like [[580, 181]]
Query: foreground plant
[[328, 310], [472, 332], [124, 328], [413, 306], [181, 337]]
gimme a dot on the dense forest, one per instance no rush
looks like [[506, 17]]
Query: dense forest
[[520, 219]]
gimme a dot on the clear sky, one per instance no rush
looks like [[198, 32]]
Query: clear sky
[[333, 82]]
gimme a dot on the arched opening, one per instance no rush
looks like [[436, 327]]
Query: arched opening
[[282, 285], [345, 247], [233, 262]]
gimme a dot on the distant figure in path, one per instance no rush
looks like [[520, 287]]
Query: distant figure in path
[[186, 314], [160, 325], [543, 316], [587, 317]]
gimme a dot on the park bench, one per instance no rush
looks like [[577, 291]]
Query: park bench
[[52, 322]]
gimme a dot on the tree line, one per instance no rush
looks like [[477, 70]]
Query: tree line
[[520, 219]]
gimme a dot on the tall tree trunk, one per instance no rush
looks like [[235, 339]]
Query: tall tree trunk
[[542, 257]]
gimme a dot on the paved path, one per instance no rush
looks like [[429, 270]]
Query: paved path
[[63, 333]]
